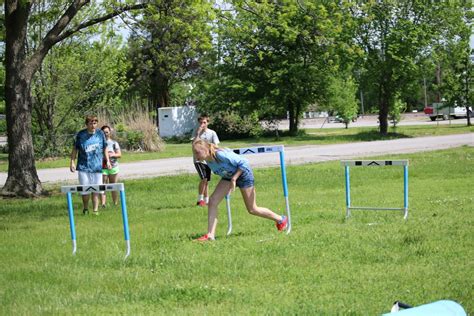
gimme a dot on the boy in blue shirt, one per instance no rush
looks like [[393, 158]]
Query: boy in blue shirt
[[91, 147]]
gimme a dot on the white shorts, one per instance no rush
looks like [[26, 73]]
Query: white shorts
[[86, 178]]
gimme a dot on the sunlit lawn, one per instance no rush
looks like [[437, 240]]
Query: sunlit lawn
[[326, 266]]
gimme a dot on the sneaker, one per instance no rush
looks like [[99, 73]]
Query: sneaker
[[85, 211], [201, 203], [282, 225], [204, 238], [96, 213], [103, 205]]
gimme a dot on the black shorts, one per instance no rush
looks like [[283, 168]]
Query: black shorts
[[203, 170]]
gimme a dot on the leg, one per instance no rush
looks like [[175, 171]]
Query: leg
[[205, 190], [113, 178], [250, 202], [85, 201], [95, 202], [203, 187], [219, 193], [103, 195]]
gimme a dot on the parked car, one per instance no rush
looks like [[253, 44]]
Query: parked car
[[443, 111]]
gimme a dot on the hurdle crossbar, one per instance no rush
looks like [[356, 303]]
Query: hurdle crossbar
[[69, 189], [261, 150], [375, 163]]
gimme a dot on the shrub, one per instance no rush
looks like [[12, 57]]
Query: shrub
[[231, 125], [140, 131]]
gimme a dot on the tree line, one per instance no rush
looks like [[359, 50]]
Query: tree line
[[239, 60]]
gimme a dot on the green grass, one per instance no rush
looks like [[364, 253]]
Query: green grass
[[311, 137], [326, 266]]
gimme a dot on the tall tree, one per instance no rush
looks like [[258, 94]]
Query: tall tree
[[455, 58], [21, 65], [397, 36], [167, 45], [274, 57]]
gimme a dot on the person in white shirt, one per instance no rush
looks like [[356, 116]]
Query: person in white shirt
[[204, 172]]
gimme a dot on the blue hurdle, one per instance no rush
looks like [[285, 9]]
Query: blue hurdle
[[263, 150], [68, 189], [376, 163]]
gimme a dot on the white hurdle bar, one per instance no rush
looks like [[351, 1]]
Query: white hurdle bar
[[263, 150], [68, 189], [376, 163]]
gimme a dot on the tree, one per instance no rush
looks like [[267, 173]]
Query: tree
[[394, 34], [274, 57], [22, 65], [455, 57], [76, 77], [166, 48], [341, 98]]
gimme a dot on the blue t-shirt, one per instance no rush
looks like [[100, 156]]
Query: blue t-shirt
[[90, 148], [227, 163]]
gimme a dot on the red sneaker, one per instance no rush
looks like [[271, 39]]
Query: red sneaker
[[204, 238], [201, 203], [282, 225]]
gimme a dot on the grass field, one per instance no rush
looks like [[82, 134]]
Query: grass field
[[326, 266], [310, 137]]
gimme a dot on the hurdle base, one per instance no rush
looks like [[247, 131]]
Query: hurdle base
[[348, 210]]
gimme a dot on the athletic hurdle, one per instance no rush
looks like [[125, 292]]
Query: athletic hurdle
[[376, 163], [68, 189], [263, 150]]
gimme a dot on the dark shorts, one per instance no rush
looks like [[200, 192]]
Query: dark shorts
[[246, 179], [203, 170]]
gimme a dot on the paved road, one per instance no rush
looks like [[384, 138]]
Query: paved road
[[372, 121], [293, 155]]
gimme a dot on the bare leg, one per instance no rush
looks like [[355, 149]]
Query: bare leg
[[205, 191], [219, 193], [249, 196], [103, 195], [85, 201], [203, 187], [95, 201], [113, 178]]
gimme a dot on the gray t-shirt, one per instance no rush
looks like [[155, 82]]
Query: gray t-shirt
[[209, 136], [113, 146]]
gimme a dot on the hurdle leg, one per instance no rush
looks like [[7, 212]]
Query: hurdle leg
[[71, 222], [405, 192], [285, 189], [123, 203], [229, 215], [348, 192]]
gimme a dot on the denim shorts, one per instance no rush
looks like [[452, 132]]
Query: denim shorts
[[246, 179]]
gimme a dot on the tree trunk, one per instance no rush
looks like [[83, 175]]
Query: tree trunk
[[22, 176], [383, 114], [293, 118]]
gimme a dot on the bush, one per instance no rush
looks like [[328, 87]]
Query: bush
[[138, 132], [231, 125]]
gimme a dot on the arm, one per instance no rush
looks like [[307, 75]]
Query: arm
[[107, 159], [197, 136], [234, 178], [72, 164]]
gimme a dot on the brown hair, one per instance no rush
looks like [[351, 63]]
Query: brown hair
[[91, 118], [203, 117]]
